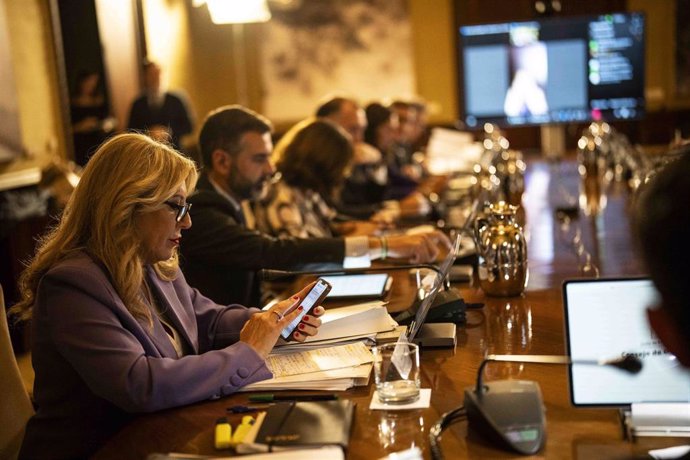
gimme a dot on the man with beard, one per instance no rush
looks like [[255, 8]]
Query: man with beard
[[221, 253]]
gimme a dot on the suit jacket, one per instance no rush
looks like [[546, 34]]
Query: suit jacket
[[97, 365], [173, 113], [220, 256]]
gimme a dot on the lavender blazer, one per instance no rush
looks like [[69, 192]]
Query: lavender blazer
[[97, 365]]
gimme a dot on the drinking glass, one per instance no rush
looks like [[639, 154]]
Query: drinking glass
[[396, 372]]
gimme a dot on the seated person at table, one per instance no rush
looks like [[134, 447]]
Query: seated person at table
[[381, 132], [364, 194], [116, 329], [413, 130], [221, 253], [662, 222], [313, 159]]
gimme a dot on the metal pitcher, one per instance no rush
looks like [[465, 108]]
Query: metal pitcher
[[502, 248]]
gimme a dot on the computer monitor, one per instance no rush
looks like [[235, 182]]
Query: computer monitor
[[553, 70]]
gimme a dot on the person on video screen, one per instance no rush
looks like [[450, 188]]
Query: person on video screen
[[526, 95]]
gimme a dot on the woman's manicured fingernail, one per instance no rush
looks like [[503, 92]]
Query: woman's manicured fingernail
[[306, 318], [300, 308], [301, 326]]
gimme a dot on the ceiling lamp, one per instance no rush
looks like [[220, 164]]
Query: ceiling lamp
[[238, 11]]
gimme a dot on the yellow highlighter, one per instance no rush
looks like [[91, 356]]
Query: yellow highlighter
[[223, 434], [242, 429]]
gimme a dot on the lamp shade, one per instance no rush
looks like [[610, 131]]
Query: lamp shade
[[238, 11]]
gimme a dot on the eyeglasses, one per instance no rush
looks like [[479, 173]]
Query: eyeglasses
[[182, 209]]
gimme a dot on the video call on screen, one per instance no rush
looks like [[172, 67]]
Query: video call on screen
[[554, 70]]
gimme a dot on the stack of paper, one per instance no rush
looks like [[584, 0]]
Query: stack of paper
[[335, 368], [338, 325], [452, 151], [337, 358]]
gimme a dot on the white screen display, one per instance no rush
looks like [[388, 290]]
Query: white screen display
[[607, 319], [368, 285]]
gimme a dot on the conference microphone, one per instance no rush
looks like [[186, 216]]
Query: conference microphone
[[274, 275], [511, 412]]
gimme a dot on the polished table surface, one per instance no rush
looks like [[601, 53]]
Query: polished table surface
[[529, 324]]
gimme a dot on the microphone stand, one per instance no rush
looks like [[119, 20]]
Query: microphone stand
[[273, 275]]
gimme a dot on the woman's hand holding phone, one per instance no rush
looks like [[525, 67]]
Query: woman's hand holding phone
[[262, 330], [318, 291]]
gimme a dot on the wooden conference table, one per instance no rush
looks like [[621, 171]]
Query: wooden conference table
[[529, 324]]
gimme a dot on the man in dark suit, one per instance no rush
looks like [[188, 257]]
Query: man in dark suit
[[162, 114], [220, 254]]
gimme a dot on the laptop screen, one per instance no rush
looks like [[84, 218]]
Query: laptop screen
[[606, 319], [439, 279]]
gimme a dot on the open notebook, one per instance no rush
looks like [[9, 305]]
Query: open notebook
[[606, 318]]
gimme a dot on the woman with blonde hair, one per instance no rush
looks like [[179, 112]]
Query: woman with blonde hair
[[116, 329]]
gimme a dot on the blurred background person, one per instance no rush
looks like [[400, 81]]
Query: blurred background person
[[381, 132], [163, 115], [412, 133], [526, 95], [346, 113], [364, 194], [116, 329], [314, 158], [90, 115]]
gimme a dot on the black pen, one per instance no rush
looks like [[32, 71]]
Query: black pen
[[271, 397]]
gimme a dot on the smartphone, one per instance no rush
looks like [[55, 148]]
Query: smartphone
[[313, 299]]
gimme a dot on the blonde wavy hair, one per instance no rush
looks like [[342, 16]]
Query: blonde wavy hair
[[129, 175]]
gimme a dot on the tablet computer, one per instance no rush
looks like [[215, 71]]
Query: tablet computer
[[369, 285], [605, 319]]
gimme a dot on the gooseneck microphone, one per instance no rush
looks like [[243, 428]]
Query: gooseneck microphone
[[511, 412], [273, 275], [628, 363]]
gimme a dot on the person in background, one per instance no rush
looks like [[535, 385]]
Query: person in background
[[91, 120], [222, 252], [413, 123], [382, 133], [116, 329], [365, 192], [313, 159], [661, 226], [346, 113], [164, 115]]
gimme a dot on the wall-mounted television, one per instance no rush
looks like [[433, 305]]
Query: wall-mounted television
[[553, 70]]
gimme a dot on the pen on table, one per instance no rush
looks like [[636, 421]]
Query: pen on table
[[271, 397], [245, 409]]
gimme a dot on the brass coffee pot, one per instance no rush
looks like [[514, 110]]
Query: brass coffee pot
[[502, 249]]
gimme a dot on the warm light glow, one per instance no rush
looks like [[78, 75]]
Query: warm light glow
[[198, 3], [238, 11]]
